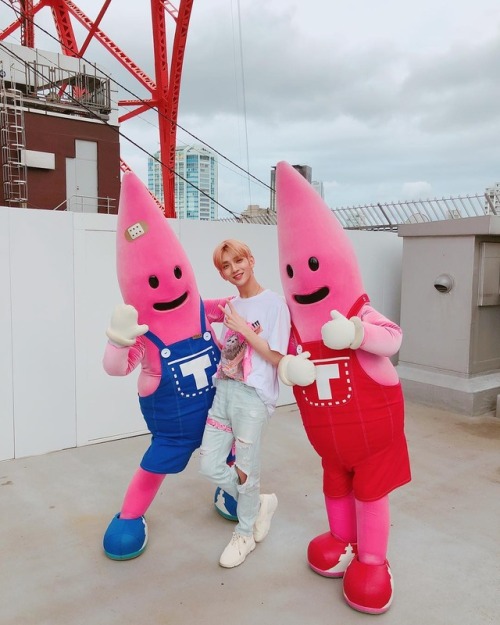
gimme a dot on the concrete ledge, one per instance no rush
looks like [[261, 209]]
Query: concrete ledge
[[469, 395]]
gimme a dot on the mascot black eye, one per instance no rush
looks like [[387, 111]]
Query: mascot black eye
[[313, 263], [289, 271], [178, 272], [154, 283]]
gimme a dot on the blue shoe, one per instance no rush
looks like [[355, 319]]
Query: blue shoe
[[125, 538], [225, 504]]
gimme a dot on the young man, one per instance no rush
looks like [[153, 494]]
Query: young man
[[254, 339]]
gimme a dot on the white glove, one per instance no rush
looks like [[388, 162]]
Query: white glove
[[341, 332], [123, 328], [297, 370]]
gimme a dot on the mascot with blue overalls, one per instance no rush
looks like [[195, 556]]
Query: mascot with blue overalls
[[163, 326]]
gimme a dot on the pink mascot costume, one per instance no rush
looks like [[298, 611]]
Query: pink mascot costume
[[347, 390], [162, 326]]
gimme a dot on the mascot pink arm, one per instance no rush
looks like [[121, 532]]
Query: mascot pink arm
[[118, 361], [162, 326], [347, 391]]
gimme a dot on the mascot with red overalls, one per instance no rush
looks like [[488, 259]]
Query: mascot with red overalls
[[347, 390]]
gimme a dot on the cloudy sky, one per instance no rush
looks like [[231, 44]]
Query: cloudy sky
[[384, 99]]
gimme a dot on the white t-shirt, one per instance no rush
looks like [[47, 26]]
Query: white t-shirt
[[268, 313]]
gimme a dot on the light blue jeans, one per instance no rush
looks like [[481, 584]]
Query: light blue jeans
[[237, 414]]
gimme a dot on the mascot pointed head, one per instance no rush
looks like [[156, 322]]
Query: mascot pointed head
[[318, 267], [154, 273]]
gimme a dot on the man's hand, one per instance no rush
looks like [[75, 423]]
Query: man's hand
[[297, 370], [123, 328], [233, 320]]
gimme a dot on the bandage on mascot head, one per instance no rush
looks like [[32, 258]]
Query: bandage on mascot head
[[154, 273], [318, 266]]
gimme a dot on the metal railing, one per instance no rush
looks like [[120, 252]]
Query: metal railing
[[378, 216], [87, 204], [57, 86], [390, 215]]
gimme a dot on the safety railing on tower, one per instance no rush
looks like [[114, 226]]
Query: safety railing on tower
[[85, 89]]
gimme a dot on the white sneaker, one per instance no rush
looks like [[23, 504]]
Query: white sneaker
[[268, 505], [237, 550]]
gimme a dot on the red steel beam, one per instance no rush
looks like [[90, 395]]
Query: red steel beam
[[164, 90], [168, 106], [64, 27]]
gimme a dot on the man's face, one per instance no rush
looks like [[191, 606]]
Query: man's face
[[236, 269]]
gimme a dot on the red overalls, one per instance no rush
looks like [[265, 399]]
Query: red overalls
[[355, 424]]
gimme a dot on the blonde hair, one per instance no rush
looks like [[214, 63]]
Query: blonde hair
[[231, 245]]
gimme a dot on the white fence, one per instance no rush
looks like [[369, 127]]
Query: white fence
[[58, 286]]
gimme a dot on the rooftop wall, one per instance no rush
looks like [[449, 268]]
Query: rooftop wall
[[59, 287]]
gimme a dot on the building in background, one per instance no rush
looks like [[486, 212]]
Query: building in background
[[196, 182], [317, 185], [155, 183], [59, 140], [254, 213], [492, 198], [304, 170]]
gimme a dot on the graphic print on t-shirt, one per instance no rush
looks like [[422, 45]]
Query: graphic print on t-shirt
[[235, 362]]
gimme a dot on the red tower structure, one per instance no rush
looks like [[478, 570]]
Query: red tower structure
[[164, 88]]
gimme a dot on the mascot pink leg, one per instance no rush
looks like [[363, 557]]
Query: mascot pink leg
[[373, 525], [330, 553], [162, 326], [140, 494], [347, 391]]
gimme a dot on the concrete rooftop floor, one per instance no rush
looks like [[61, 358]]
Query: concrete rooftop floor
[[444, 548]]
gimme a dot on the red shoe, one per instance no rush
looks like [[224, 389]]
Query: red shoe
[[368, 587], [329, 556]]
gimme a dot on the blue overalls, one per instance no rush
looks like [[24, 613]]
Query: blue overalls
[[177, 411]]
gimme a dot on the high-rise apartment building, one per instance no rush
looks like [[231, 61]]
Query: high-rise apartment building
[[196, 190], [195, 183]]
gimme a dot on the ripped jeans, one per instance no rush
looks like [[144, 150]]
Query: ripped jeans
[[239, 415]]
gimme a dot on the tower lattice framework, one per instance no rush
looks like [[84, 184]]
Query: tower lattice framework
[[164, 88]]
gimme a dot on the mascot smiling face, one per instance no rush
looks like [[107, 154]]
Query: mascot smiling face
[[154, 273], [318, 266]]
